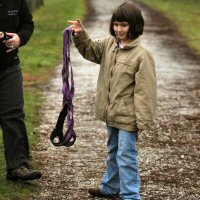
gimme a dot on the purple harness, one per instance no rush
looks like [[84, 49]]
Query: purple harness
[[69, 137]]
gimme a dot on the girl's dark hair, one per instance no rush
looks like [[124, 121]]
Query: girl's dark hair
[[128, 12]]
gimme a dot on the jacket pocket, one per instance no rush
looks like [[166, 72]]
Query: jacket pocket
[[128, 66], [130, 107], [122, 113]]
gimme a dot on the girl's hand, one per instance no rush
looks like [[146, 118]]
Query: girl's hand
[[1, 35], [140, 131], [77, 26]]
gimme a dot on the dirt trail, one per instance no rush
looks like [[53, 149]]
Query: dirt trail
[[169, 155]]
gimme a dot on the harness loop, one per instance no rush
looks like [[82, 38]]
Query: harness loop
[[69, 137]]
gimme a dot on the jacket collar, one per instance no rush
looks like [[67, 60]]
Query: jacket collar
[[131, 45]]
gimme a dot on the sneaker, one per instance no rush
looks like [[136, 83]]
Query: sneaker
[[96, 192], [24, 173]]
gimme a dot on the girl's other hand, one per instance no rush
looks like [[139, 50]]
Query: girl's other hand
[[77, 26], [1, 35], [140, 131]]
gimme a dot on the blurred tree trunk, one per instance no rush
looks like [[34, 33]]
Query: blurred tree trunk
[[35, 4]]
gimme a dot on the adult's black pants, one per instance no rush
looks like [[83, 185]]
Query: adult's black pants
[[12, 115]]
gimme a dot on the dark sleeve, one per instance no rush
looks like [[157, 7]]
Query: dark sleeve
[[26, 25]]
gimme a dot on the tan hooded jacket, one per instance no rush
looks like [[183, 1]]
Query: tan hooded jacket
[[127, 88]]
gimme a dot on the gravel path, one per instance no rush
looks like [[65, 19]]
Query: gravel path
[[169, 155]]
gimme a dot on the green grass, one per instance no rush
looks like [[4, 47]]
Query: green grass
[[38, 60], [185, 14], [19, 190], [32, 104], [45, 48]]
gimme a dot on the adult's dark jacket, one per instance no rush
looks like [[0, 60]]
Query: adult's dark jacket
[[15, 17]]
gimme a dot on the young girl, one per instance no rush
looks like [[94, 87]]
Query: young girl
[[126, 96]]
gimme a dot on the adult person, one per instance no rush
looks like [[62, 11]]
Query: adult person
[[126, 96], [16, 28]]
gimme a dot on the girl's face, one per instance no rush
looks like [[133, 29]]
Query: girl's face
[[121, 30]]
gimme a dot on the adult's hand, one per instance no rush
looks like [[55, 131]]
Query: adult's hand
[[12, 43]]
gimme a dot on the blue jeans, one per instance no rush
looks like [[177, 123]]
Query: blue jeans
[[122, 174]]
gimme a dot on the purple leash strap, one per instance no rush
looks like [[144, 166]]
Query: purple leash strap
[[69, 137]]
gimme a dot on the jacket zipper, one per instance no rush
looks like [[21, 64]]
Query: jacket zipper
[[110, 74]]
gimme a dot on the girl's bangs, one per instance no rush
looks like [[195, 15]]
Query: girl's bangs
[[120, 16]]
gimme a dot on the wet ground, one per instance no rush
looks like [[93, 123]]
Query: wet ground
[[169, 155]]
